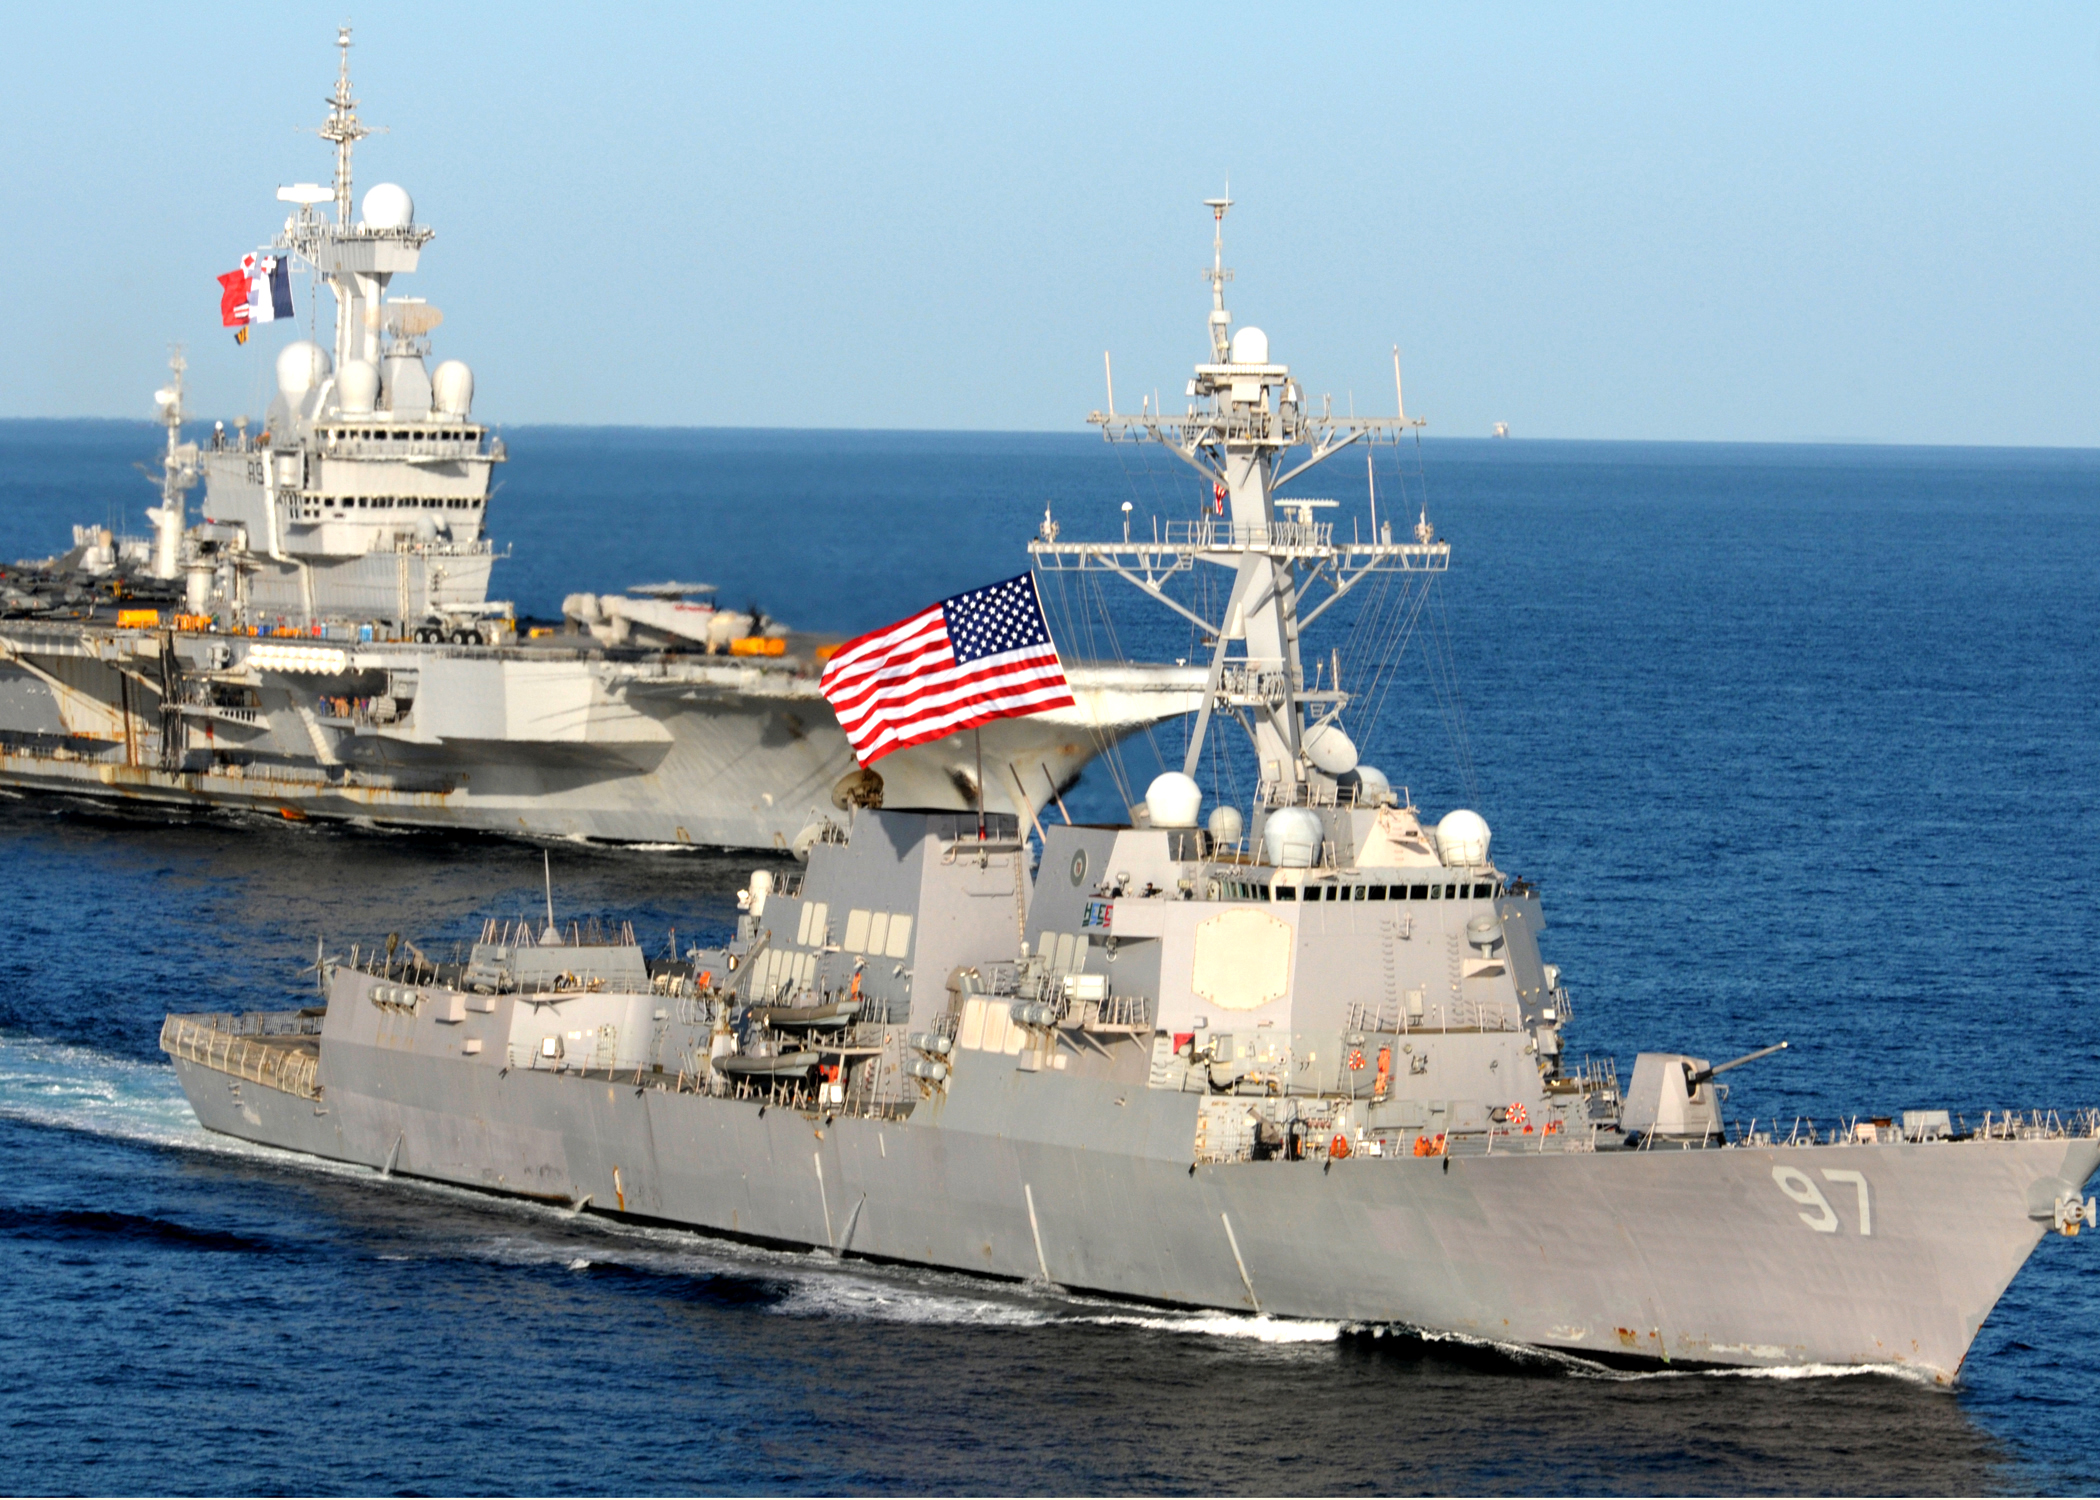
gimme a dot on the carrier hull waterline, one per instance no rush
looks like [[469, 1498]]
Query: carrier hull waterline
[[1666, 1256], [556, 742]]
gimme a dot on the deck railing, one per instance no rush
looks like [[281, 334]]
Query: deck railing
[[289, 1069]]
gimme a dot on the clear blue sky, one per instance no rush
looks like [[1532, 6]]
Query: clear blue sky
[[1698, 222]]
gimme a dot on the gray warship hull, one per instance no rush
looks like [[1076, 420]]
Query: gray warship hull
[[1686, 1256], [972, 1119]]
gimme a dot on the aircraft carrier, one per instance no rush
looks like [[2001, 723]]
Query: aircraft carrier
[[1302, 1058], [320, 643]]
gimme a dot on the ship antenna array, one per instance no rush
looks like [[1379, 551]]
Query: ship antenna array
[[343, 128], [1249, 430]]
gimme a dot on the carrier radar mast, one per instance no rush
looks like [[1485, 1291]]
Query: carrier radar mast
[[1246, 424]]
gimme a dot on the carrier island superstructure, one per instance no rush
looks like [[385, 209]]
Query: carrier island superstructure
[[320, 641], [1304, 1059]]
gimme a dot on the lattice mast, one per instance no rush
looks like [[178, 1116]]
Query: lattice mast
[[1246, 419]]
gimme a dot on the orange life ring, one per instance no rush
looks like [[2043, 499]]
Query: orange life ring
[[1338, 1148]]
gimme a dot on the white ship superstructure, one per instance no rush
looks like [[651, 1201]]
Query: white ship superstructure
[[365, 494]]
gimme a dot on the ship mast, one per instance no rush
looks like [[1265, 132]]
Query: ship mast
[[1246, 419], [343, 128]]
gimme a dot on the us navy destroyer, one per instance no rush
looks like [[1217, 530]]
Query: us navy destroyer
[[1309, 1065], [322, 643]]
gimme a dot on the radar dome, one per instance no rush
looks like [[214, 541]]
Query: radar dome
[[1372, 788], [1250, 346], [1173, 800], [1226, 825], [300, 367], [1330, 750], [1292, 837], [388, 206], [452, 388], [1462, 838], [357, 388]]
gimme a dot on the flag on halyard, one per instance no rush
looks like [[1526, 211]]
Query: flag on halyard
[[965, 661], [233, 299], [269, 288]]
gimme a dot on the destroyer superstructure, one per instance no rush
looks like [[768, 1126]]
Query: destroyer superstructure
[[320, 641]]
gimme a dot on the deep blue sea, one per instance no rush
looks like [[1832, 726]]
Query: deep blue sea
[[1799, 743]]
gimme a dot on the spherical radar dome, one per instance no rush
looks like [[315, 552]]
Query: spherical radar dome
[[1226, 825], [452, 388], [388, 206], [1292, 837], [1462, 838], [1372, 787], [1173, 800], [357, 388], [1330, 750], [1250, 346], [301, 367]]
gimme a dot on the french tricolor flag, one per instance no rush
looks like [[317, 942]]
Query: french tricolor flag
[[269, 287]]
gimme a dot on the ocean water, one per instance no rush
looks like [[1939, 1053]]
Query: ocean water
[[1798, 743]]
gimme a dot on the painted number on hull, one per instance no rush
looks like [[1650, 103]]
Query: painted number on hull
[[1824, 1219]]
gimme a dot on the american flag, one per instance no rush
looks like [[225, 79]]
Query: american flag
[[965, 661]]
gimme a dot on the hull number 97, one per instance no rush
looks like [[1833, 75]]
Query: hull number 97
[[1816, 1211]]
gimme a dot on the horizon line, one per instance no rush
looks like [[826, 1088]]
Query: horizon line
[[1038, 432]]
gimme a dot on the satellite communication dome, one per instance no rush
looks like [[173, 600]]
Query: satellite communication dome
[[1330, 750], [1292, 837], [388, 206], [1250, 346], [165, 397], [300, 367], [1462, 838], [452, 388], [1173, 800], [1226, 825], [357, 388], [1372, 787]]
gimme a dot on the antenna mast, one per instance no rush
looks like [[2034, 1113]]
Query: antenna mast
[[343, 128], [1245, 417]]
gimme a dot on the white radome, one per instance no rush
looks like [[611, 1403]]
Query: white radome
[[1330, 750], [388, 206], [300, 367], [1226, 825], [1250, 346], [1174, 800], [452, 388], [1372, 787], [1292, 837], [357, 388], [1462, 838]]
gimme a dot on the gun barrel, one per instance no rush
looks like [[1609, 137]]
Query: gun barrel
[[1748, 1057]]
